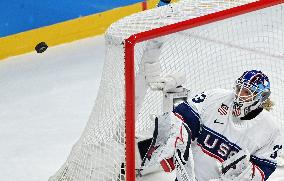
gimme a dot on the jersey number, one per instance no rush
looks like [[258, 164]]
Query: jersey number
[[276, 148]]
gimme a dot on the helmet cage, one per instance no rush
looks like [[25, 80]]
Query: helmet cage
[[245, 93], [247, 90], [251, 90]]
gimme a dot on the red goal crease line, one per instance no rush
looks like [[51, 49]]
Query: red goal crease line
[[162, 31]]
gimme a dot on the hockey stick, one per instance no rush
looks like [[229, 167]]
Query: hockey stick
[[153, 142]]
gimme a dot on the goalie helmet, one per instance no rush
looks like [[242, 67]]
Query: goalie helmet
[[251, 90]]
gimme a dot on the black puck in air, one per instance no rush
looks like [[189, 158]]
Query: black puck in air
[[41, 47]]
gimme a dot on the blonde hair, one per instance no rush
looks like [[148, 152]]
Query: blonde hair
[[268, 104]]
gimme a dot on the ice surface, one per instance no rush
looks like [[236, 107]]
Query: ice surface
[[45, 103]]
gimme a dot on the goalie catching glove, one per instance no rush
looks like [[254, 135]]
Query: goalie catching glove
[[238, 167]]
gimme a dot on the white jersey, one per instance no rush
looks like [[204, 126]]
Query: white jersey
[[218, 134]]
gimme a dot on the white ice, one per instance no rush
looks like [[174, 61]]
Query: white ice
[[46, 100]]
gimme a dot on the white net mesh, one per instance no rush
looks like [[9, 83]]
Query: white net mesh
[[211, 56]]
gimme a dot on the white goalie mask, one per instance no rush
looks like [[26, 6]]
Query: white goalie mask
[[251, 90]]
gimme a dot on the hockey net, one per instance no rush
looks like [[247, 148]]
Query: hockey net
[[212, 49]]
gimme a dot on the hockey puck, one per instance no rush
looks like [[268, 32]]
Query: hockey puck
[[41, 47]]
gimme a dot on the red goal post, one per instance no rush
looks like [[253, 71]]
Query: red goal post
[[158, 32]]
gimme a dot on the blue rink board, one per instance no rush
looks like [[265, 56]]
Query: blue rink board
[[21, 15]]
